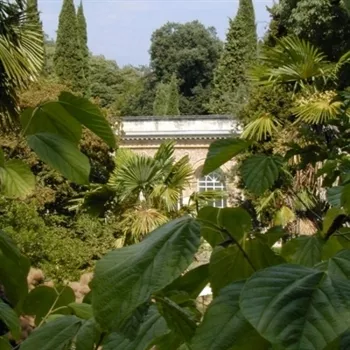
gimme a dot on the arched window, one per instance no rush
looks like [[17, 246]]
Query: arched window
[[214, 181]]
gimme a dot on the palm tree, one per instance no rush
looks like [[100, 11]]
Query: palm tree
[[304, 70], [143, 192], [21, 56]]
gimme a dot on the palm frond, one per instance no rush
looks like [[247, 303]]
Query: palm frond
[[318, 109], [261, 128], [165, 152], [135, 175], [139, 221], [166, 196], [292, 60], [180, 174], [21, 56]]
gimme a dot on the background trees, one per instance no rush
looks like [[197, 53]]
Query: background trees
[[68, 59], [191, 52], [83, 42], [230, 85]]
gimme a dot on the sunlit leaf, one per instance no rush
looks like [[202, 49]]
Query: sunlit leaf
[[61, 155], [260, 172], [221, 151]]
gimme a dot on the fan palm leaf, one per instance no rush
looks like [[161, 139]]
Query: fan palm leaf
[[319, 108], [21, 56], [295, 61], [261, 128], [139, 221]]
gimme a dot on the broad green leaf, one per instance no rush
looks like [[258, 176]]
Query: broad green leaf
[[334, 196], [221, 151], [220, 225], [2, 158], [89, 115], [88, 335], [56, 334], [224, 327], [51, 118], [14, 268], [62, 155], [153, 327], [337, 242], [345, 198], [304, 250], [81, 310], [193, 282], [5, 344], [10, 318], [169, 341], [43, 300], [208, 218], [131, 326], [126, 278], [236, 221], [339, 265], [328, 220], [341, 343], [295, 307], [273, 235], [231, 264], [177, 318], [260, 172], [16, 179]]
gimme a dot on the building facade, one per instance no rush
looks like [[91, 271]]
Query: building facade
[[193, 135]]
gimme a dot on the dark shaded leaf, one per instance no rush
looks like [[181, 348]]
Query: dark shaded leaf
[[193, 282], [56, 334], [177, 318], [304, 250], [10, 318], [224, 327], [14, 268], [299, 307], [153, 327]]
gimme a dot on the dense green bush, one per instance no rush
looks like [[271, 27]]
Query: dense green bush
[[62, 247]]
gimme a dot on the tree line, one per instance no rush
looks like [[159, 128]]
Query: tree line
[[189, 68]]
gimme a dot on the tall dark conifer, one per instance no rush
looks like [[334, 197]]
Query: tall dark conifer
[[230, 82], [68, 58], [173, 97], [83, 40]]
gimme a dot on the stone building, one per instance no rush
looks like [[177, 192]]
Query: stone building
[[193, 135]]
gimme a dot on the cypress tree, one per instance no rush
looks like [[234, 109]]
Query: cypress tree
[[33, 16], [160, 105], [68, 59], [230, 82], [173, 97], [83, 38]]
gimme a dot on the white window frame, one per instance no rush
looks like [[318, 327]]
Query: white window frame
[[215, 181]]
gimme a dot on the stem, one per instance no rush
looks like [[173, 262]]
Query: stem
[[242, 250], [230, 240], [52, 308]]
